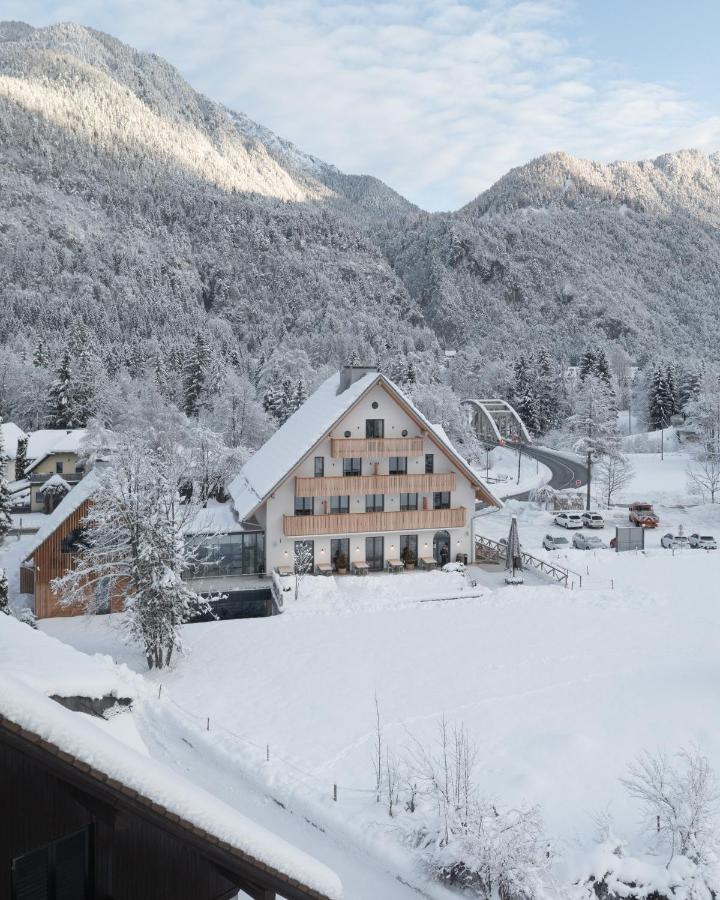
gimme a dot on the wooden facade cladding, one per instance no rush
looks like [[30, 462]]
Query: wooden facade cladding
[[333, 486], [374, 522], [344, 448]]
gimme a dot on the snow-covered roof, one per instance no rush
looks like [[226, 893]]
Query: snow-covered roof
[[282, 452], [215, 518], [53, 440], [52, 667], [55, 481], [70, 502], [11, 434], [81, 744], [286, 448]]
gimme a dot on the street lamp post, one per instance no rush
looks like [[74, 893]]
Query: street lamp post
[[589, 470]]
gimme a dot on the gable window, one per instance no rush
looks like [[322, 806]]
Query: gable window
[[429, 463], [73, 541], [352, 466], [398, 465], [304, 506], [319, 466], [339, 505], [408, 502], [54, 872], [374, 428], [59, 467], [441, 500], [374, 502]]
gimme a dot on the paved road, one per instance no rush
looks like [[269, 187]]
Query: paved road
[[565, 472]]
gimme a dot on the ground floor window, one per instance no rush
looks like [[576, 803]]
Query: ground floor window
[[408, 549], [374, 553], [441, 547], [340, 553], [304, 557], [230, 554], [56, 871]]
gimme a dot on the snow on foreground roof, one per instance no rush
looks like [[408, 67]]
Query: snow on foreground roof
[[51, 667], [11, 434], [85, 742], [214, 518], [70, 502], [292, 440]]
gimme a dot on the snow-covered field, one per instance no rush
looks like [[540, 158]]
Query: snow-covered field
[[559, 689]]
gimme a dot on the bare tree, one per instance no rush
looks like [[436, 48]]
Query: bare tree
[[679, 801], [704, 416], [303, 563], [378, 751], [612, 474]]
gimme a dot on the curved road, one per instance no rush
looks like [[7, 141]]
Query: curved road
[[565, 472]]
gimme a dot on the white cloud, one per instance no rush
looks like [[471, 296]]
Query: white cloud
[[437, 97]]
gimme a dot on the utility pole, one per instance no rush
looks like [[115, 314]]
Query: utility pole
[[589, 470], [519, 459]]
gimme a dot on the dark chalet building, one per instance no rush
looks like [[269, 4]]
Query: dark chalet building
[[71, 829]]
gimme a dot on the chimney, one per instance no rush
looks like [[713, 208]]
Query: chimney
[[350, 374]]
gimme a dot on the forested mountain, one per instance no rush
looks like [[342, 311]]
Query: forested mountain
[[140, 221]]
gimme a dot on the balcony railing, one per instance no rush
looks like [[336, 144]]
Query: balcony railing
[[344, 485], [374, 522], [41, 477], [343, 448]]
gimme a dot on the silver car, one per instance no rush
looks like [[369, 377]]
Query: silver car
[[593, 520], [587, 542], [555, 542], [703, 541], [674, 541]]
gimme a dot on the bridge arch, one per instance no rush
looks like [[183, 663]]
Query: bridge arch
[[495, 421]]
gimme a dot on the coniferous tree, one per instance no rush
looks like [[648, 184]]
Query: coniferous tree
[[689, 389], [4, 593], [40, 359], [5, 505], [661, 399], [300, 395], [602, 366], [524, 397], [547, 387], [60, 406], [21, 459], [588, 363], [195, 377]]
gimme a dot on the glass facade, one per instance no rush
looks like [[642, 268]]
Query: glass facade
[[229, 554]]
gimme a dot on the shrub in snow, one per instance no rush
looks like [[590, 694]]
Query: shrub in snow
[[4, 608], [27, 617]]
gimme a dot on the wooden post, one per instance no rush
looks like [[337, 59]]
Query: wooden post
[[267, 753], [589, 469], [208, 723], [335, 793], [159, 691]]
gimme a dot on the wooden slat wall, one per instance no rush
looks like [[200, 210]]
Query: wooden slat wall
[[337, 486], [375, 447], [373, 523]]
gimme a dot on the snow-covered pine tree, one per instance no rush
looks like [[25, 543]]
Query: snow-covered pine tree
[[136, 549], [689, 388], [21, 459], [661, 399], [524, 397], [85, 376], [299, 396], [5, 505], [594, 424], [60, 413], [548, 391], [673, 386], [40, 358], [195, 377], [602, 366], [588, 363]]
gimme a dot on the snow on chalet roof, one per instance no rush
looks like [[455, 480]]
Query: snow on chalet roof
[[11, 434], [70, 502], [55, 481], [84, 743], [215, 518], [284, 450], [53, 440], [291, 441], [52, 667]]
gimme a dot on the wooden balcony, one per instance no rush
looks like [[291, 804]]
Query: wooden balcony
[[374, 522], [345, 485], [344, 448]]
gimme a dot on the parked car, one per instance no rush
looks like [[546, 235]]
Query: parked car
[[593, 520], [569, 520], [588, 542], [555, 542], [702, 541], [674, 541]]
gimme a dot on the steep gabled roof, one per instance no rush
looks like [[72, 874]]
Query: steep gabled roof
[[73, 500], [11, 434], [294, 440], [53, 440]]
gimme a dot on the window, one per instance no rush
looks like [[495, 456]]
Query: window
[[57, 871], [352, 466], [374, 428], [59, 467], [374, 502], [79, 468], [429, 463], [304, 506], [408, 501], [340, 505], [340, 553], [398, 465], [319, 466], [229, 554], [441, 500], [408, 548]]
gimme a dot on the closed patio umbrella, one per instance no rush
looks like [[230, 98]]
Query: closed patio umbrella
[[513, 555]]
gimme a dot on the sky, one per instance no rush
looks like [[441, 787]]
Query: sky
[[438, 98]]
